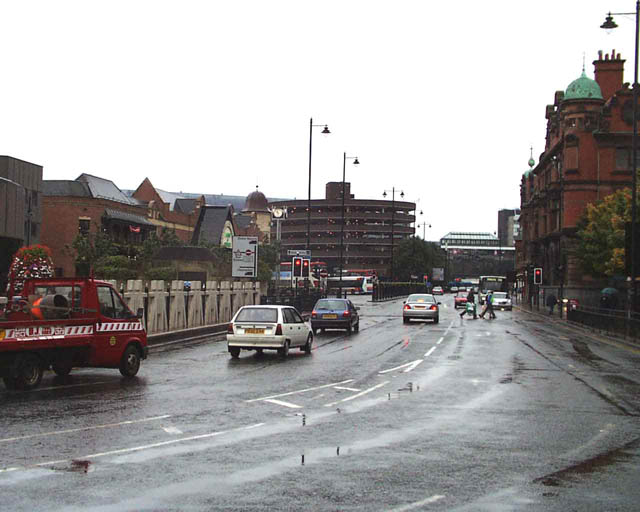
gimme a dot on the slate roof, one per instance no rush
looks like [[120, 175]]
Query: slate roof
[[185, 205], [127, 217], [105, 189], [211, 223], [65, 188]]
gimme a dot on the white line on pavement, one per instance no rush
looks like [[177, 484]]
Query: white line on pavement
[[71, 430], [430, 352], [285, 404], [300, 391], [413, 365], [411, 506], [355, 390], [400, 367], [440, 341], [359, 394]]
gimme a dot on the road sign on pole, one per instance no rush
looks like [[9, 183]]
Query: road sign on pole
[[244, 259], [299, 252]]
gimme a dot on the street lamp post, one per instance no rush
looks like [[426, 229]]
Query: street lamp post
[[424, 228], [609, 24], [325, 131], [393, 214], [344, 168]]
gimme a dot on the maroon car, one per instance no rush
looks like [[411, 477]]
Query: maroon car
[[460, 300]]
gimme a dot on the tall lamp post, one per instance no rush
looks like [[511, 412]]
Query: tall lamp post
[[344, 168], [424, 228], [324, 131], [609, 24], [393, 215]]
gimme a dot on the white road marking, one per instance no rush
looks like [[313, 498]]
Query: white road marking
[[172, 430], [359, 394], [401, 366], [355, 390], [69, 386], [285, 404], [430, 352], [413, 365], [440, 341], [71, 430], [134, 448], [411, 506], [299, 391]]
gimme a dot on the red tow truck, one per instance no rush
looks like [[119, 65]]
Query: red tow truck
[[61, 323]]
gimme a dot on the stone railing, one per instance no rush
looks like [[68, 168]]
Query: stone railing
[[169, 307]]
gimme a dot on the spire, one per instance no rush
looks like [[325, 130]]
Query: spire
[[532, 162]]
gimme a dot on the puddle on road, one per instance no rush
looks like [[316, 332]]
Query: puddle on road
[[589, 466]]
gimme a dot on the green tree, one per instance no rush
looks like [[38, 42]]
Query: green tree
[[600, 248], [89, 248], [267, 261], [415, 257]]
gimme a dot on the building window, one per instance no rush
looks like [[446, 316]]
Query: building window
[[83, 226], [623, 159]]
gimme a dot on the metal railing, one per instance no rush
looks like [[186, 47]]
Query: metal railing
[[385, 290], [609, 321]]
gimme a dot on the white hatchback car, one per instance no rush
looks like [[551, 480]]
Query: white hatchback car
[[268, 327]]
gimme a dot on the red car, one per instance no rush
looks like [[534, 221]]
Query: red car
[[460, 300]]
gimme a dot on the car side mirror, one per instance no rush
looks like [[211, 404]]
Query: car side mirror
[[357, 308], [140, 313], [439, 303], [404, 301]]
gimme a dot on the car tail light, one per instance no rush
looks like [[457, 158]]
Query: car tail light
[[279, 330], [230, 328], [346, 313], [406, 306], [314, 314], [433, 308]]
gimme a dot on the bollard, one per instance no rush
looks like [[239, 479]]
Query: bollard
[[338, 451], [304, 420]]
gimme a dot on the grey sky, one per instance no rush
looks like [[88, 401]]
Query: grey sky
[[439, 99]]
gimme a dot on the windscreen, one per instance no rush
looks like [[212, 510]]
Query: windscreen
[[331, 304], [258, 315], [421, 298]]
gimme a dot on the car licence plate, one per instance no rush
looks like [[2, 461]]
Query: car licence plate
[[420, 307], [330, 317], [253, 330]]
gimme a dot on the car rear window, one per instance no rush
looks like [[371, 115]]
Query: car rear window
[[331, 304], [257, 315], [421, 298]]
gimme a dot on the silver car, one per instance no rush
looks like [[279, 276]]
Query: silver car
[[422, 306], [501, 300], [268, 327]]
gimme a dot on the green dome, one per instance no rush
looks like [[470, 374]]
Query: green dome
[[526, 174], [583, 88]]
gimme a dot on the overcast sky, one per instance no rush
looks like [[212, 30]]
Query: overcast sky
[[441, 100]]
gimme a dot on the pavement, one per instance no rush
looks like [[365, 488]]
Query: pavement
[[588, 332]]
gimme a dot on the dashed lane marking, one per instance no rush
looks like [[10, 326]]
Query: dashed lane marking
[[300, 391], [352, 397]]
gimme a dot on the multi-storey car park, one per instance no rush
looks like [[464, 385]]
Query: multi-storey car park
[[371, 228]]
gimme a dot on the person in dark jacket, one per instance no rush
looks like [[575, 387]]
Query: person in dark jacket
[[470, 300], [551, 302]]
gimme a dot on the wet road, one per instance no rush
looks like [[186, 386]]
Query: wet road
[[466, 415]]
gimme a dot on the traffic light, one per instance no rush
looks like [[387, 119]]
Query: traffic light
[[306, 265], [537, 275], [297, 267]]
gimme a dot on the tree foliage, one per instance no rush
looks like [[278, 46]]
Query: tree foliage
[[600, 249], [416, 257]]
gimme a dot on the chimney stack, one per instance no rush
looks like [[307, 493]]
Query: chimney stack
[[609, 73]]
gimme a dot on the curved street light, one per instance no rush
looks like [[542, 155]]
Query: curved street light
[[344, 167], [393, 214], [325, 131], [609, 25]]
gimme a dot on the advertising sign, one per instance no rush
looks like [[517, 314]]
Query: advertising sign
[[438, 274], [244, 256]]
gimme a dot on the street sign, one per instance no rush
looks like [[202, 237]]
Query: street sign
[[244, 256], [299, 252]]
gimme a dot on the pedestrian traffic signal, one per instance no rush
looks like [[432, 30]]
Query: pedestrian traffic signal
[[537, 275], [306, 265], [297, 267]]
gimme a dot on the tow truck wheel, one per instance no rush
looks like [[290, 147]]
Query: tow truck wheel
[[61, 369], [29, 372], [130, 362], [235, 352], [9, 382]]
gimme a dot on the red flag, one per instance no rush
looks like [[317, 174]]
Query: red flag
[[134, 229]]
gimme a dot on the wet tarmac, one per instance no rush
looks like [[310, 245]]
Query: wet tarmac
[[508, 414]]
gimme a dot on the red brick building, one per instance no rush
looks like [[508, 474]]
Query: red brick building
[[587, 156], [169, 211], [86, 205]]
